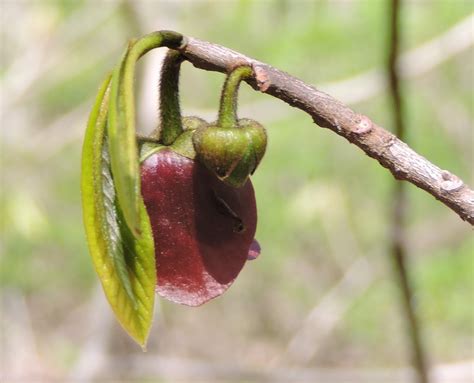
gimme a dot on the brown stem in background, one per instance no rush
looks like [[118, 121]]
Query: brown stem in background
[[398, 245], [403, 162]]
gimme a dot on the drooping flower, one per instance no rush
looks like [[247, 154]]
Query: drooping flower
[[203, 229]]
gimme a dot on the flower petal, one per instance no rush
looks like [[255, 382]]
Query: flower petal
[[202, 228], [254, 250]]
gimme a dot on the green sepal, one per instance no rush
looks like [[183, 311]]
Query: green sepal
[[258, 140], [220, 149], [231, 148], [232, 154], [147, 149], [192, 123], [183, 144], [125, 265]]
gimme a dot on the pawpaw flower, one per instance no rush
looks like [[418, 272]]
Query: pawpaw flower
[[203, 229], [198, 194]]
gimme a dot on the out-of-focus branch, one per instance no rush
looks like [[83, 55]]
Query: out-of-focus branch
[[410, 64], [403, 162], [398, 245], [323, 319]]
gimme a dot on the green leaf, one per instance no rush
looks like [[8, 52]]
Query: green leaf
[[121, 124], [125, 264], [123, 146]]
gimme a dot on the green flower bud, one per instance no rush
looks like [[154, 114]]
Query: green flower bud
[[232, 154], [231, 148]]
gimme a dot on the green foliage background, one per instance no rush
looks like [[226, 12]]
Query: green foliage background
[[322, 203]]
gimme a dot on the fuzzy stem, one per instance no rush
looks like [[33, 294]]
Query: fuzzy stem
[[170, 111], [139, 48], [228, 105]]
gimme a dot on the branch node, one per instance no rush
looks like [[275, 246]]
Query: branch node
[[363, 125], [261, 75], [450, 182], [238, 63]]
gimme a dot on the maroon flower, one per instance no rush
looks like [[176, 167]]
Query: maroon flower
[[203, 229]]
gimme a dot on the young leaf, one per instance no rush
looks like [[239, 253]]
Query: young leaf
[[121, 124], [123, 147], [125, 264]]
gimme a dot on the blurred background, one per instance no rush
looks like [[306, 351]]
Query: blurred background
[[321, 303]]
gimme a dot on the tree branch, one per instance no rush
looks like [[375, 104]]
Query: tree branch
[[403, 162], [399, 248]]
